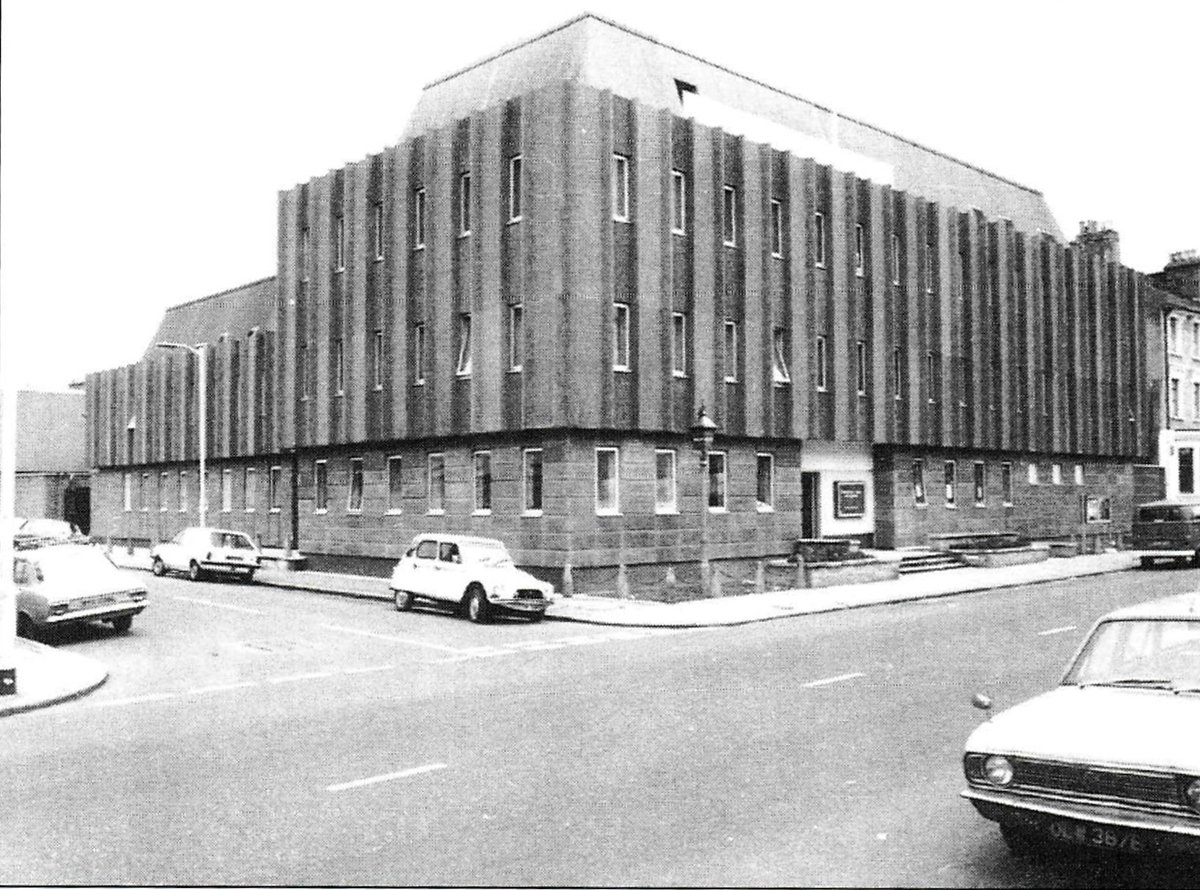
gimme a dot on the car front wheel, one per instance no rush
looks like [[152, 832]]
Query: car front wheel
[[194, 572], [122, 624], [477, 605], [158, 568], [404, 601]]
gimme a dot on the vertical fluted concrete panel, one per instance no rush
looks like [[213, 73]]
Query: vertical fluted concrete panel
[[487, 220], [161, 408], [914, 394], [183, 407], [704, 235], [756, 190], [1004, 257], [1075, 334], [652, 164], [321, 234], [287, 281], [948, 330], [840, 258], [251, 373], [799, 180], [356, 335], [396, 289], [1052, 282], [227, 395], [877, 345], [439, 230]]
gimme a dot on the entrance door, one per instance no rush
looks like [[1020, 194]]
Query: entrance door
[[810, 505]]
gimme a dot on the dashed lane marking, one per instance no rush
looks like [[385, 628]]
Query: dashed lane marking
[[296, 678], [838, 679], [387, 777], [367, 670], [221, 687], [131, 700], [215, 605], [1056, 630], [393, 639]]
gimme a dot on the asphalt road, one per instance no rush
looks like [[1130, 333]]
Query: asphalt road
[[255, 735]]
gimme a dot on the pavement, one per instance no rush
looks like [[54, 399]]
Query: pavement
[[46, 675]]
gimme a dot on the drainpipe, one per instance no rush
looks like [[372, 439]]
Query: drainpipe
[[294, 537]]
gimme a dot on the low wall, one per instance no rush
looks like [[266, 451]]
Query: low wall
[[993, 559]]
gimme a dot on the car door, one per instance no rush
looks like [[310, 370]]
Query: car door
[[421, 569], [171, 552], [450, 575]]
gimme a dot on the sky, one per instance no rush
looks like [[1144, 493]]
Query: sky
[[144, 144]]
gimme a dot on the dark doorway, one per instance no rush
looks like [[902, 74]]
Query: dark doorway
[[810, 505], [77, 507]]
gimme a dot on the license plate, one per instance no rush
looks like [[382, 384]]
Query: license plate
[[1104, 837]]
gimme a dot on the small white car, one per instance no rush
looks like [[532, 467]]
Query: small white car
[[1111, 758], [475, 574], [201, 551], [68, 583]]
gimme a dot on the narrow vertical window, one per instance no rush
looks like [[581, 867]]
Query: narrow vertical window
[[819, 239], [320, 487], [1079, 474], [464, 204], [717, 481], [620, 188], [765, 485], [532, 504], [377, 239], [354, 500], [183, 491], [931, 378], [1033, 474], [463, 368], [436, 495], [1006, 485], [339, 244], [1173, 397], [860, 251], [1196, 400], [1187, 471], [860, 367], [897, 374], [729, 217], [731, 354], [776, 229], [226, 491], [127, 482], [377, 359], [339, 366], [483, 481], [395, 501], [302, 368], [274, 495], [918, 482], [678, 344], [664, 481], [250, 489], [419, 354], [621, 337], [780, 373], [143, 484], [951, 469], [1173, 334], [980, 487], [928, 267], [419, 219], [607, 481], [678, 202], [822, 377], [514, 188], [162, 492], [516, 337], [896, 259], [1196, 338], [303, 259]]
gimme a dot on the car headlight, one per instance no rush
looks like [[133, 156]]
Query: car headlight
[[997, 770], [1191, 793], [499, 590]]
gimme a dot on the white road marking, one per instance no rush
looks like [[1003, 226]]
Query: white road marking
[[584, 641], [132, 700], [534, 645], [387, 777], [393, 639], [1056, 630], [221, 687], [837, 679], [295, 678], [192, 599], [367, 670]]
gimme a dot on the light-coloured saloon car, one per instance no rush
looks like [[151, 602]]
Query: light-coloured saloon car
[[476, 574], [68, 583], [200, 551], [1111, 757]]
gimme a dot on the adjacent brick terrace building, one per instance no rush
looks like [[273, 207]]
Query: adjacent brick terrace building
[[505, 324]]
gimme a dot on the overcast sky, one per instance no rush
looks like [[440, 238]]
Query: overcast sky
[[144, 143]]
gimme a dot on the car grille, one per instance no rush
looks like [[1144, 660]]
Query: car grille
[[1093, 783], [529, 595]]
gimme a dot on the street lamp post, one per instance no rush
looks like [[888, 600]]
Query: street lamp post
[[201, 353], [702, 432]]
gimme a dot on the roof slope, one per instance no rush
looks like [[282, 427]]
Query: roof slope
[[50, 432], [608, 56], [234, 312]]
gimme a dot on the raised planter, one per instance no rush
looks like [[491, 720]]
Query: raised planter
[[849, 571], [965, 541], [1063, 548], [998, 558], [825, 549]]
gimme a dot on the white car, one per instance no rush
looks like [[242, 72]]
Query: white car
[[476, 574], [68, 583], [1111, 758], [200, 551]]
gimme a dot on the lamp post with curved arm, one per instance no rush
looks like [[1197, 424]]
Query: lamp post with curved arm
[[200, 350], [703, 431]]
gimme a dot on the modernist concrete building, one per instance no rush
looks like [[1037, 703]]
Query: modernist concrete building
[[506, 324]]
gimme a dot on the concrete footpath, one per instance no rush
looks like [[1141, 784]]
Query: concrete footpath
[[46, 675]]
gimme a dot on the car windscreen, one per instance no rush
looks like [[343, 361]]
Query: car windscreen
[[486, 552], [231, 541], [71, 564], [1152, 653]]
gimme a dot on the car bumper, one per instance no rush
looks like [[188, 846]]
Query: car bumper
[[1163, 832], [100, 613], [229, 566], [521, 605]]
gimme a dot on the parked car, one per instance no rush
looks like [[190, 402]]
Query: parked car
[[1111, 757], [476, 574], [201, 551], [70, 583], [35, 532], [1167, 530]]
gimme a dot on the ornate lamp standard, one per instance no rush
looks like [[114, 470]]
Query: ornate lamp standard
[[201, 352], [703, 431]]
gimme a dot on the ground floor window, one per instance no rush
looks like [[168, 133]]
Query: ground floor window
[[483, 481], [437, 483], [765, 487], [664, 482], [183, 491], [395, 501], [354, 501], [273, 496], [533, 480], [980, 487], [162, 492], [1006, 489], [321, 486], [226, 491], [127, 483], [717, 481], [142, 485], [951, 482], [251, 488], [1187, 473], [1097, 509], [607, 476], [918, 482]]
